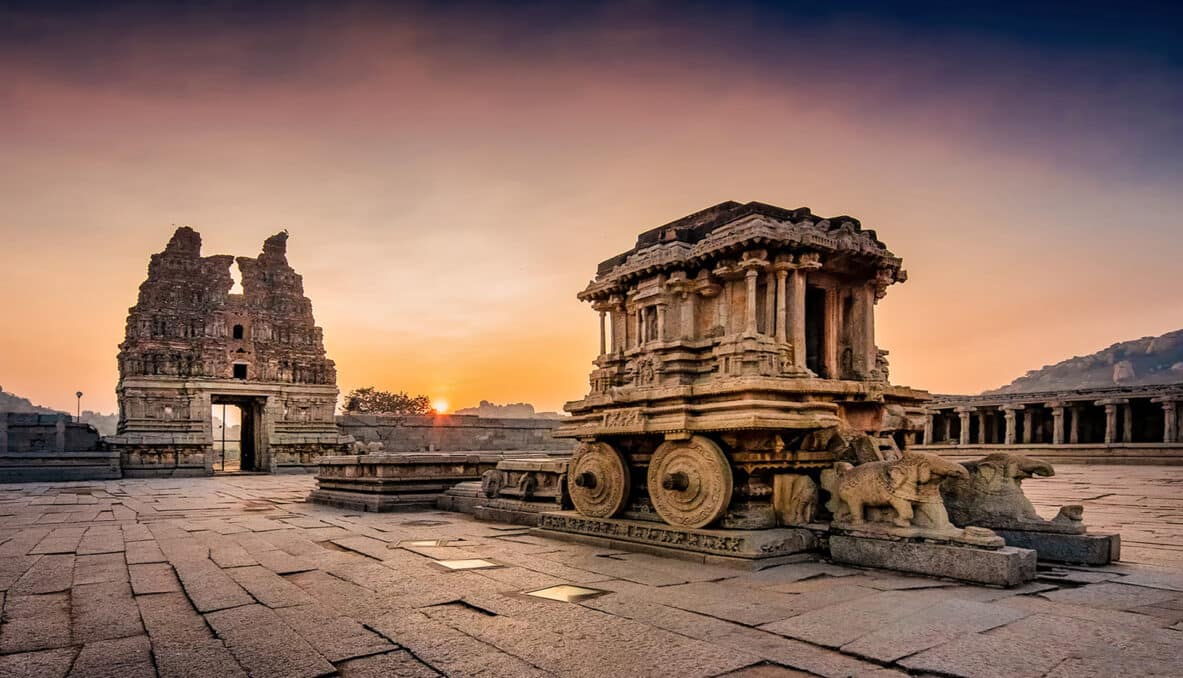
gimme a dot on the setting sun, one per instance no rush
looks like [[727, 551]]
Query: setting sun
[[440, 406]]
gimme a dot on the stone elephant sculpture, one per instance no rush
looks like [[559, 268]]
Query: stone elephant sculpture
[[910, 486], [992, 496]]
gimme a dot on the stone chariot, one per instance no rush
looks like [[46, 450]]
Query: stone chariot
[[737, 361]]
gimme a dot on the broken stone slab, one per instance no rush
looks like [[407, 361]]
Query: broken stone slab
[[753, 549], [1079, 549], [1006, 566]]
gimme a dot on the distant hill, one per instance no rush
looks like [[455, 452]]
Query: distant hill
[[509, 411], [11, 402], [1141, 362]]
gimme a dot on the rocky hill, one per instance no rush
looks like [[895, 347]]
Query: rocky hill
[[11, 402], [1141, 362]]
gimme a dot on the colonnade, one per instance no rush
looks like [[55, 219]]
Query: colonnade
[[1069, 419]]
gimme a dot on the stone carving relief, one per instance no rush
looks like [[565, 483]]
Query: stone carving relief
[[910, 487], [991, 495], [794, 498]]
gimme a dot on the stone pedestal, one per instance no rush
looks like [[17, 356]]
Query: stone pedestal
[[1077, 549], [1006, 566], [749, 549], [386, 482]]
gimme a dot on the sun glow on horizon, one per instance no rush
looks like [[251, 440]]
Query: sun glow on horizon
[[440, 406]]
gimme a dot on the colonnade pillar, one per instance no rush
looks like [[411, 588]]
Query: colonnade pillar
[[1170, 418], [1057, 423], [928, 423], [982, 428], [1074, 429], [1028, 418], [1011, 428], [963, 412]]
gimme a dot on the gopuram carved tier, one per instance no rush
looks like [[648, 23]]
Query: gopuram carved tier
[[737, 360], [191, 343]]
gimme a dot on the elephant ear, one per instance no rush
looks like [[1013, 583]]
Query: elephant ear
[[988, 470], [899, 476]]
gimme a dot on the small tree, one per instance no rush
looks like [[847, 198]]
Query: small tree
[[370, 400]]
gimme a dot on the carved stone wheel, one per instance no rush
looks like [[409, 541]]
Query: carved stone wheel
[[598, 480], [690, 482]]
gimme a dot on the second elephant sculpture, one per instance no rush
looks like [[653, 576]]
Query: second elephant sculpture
[[910, 486], [991, 495]]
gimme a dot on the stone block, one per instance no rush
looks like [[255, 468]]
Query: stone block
[[1006, 566], [1080, 549], [737, 547]]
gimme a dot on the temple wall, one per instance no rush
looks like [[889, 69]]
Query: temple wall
[[51, 447], [454, 433]]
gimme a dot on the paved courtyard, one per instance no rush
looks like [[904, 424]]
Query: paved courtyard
[[236, 576]]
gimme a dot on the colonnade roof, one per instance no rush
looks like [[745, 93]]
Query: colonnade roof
[[944, 401]]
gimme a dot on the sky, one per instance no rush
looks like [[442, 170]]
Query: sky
[[451, 173]]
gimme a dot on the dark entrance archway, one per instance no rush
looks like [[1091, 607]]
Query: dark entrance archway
[[254, 454]]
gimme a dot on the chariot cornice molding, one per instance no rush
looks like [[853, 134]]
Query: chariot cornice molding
[[746, 233]]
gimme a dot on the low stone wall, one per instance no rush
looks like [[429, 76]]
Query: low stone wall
[[454, 433], [51, 447], [1113, 453]]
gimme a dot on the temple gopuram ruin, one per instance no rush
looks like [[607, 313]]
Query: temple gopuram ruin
[[192, 344]]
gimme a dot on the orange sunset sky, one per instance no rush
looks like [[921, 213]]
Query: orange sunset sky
[[451, 178]]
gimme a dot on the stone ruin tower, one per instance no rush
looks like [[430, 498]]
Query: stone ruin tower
[[190, 344], [737, 359]]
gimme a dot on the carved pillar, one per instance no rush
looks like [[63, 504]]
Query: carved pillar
[[770, 303], [661, 322], [1028, 419], [963, 413], [619, 325], [750, 310], [59, 437], [866, 316], [1009, 415], [947, 427], [830, 336], [983, 428], [1170, 418], [1127, 429], [781, 305], [1074, 429], [724, 300], [640, 327], [603, 334], [1110, 420], [796, 292], [928, 425], [1057, 423], [688, 320]]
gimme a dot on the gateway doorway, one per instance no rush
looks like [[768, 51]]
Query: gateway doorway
[[239, 442]]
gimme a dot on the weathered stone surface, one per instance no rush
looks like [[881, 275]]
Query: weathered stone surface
[[100, 568], [1111, 595], [265, 645], [1080, 549], [49, 574], [153, 578], [1007, 566], [837, 625], [267, 587], [209, 587], [930, 627], [337, 637], [36, 622], [43, 664], [398, 664], [115, 658], [104, 611]]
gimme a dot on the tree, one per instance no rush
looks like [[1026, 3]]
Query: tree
[[370, 400]]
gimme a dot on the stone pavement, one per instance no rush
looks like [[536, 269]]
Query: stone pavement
[[236, 575]]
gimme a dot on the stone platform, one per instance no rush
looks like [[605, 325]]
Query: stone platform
[[237, 575], [1076, 549], [386, 482], [1005, 566], [753, 549]]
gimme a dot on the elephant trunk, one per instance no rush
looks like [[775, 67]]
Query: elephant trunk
[[1036, 467]]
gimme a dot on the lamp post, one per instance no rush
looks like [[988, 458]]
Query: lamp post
[[78, 416]]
